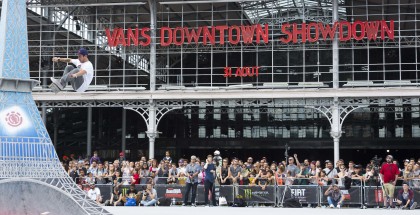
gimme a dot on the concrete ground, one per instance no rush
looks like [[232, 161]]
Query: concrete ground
[[177, 210]]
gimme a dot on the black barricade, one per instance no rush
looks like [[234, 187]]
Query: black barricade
[[124, 188], [106, 190], [351, 196], [224, 190], [305, 194], [256, 194], [374, 195]]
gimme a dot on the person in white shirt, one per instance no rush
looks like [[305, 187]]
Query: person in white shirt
[[79, 77], [94, 193]]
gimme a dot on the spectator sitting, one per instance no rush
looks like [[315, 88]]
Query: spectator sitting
[[149, 197], [173, 174], [116, 198], [132, 196], [116, 179], [94, 193], [334, 196], [405, 198], [95, 158]]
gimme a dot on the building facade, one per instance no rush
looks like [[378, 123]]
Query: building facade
[[190, 75]]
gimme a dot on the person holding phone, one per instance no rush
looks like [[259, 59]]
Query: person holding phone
[[210, 170]]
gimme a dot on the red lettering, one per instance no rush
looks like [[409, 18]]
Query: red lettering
[[193, 34], [256, 70], [120, 38], [388, 30], [111, 39], [315, 26], [372, 28], [247, 33], [133, 37], [208, 35], [239, 72], [284, 29], [327, 31], [162, 36], [228, 72], [222, 30], [146, 36], [262, 33], [230, 36], [181, 41], [342, 37], [362, 30], [248, 72], [296, 32]]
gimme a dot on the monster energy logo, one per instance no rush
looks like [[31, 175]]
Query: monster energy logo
[[248, 193]]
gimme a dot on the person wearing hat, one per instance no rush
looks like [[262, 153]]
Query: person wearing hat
[[94, 193], [335, 199], [389, 175], [79, 77], [405, 198], [191, 172]]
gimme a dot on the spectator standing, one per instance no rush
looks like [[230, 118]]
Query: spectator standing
[[192, 171], [210, 171], [292, 169], [235, 172], [330, 171], [389, 173], [95, 158], [167, 157]]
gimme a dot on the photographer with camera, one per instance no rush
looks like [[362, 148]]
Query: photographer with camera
[[389, 174], [149, 196], [192, 171], [335, 199]]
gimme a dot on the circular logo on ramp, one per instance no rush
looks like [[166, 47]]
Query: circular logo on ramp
[[14, 119]]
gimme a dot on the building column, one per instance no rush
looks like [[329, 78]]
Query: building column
[[335, 50], [336, 129], [89, 132], [152, 130], [123, 130]]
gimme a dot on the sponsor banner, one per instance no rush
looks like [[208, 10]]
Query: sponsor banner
[[170, 191], [374, 195], [256, 194], [351, 196], [224, 190], [305, 194]]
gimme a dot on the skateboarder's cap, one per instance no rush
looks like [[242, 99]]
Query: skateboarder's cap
[[82, 51]]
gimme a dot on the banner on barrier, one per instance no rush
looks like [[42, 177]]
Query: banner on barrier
[[305, 194], [351, 196], [170, 191], [225, 191], [374, 195], [256, 194]]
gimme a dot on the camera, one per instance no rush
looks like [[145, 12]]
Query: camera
[[376, 161]]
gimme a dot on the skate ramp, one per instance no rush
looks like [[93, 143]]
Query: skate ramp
[[22, 197]]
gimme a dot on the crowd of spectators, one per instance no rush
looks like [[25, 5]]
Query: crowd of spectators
[[229, 171]]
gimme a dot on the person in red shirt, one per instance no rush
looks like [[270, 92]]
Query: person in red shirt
[[389, 174]]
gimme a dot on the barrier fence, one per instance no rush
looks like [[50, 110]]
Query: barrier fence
[[274, 195]]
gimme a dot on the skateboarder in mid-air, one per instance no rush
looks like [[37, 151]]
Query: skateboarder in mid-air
[[79, 77]]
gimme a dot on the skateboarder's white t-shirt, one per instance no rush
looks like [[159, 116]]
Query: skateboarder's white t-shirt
[[87, 78]]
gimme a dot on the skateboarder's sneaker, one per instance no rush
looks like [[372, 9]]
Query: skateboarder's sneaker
[[57, 83], [54, 88]]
